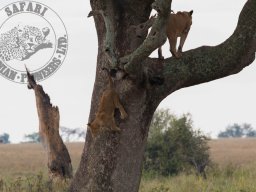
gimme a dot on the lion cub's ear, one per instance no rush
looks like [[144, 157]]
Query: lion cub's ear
[[191, 12]]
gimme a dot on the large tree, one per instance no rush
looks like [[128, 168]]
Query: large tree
[[112, 162]]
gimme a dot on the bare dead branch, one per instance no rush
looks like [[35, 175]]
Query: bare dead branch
[[59, 162], [31, 80]]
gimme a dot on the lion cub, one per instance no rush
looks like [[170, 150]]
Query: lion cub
[[105, 115], [178, 25]]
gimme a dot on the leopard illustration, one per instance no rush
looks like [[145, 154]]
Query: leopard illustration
[[21, 43]]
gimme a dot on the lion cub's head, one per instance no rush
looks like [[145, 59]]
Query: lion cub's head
[[186, 17]]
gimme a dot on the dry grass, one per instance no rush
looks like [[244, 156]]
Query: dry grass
[[28, 159], [230, 179], [23, 159], [20, 165], [236, 171], [234, 151]]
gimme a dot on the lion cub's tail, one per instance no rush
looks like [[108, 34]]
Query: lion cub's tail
[[110, 81]]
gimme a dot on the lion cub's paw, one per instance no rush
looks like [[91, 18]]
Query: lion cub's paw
[[161, 57], [124, 115], [178, 55]]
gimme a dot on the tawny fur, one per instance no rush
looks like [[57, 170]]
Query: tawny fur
[[178, 25], [104, 119]]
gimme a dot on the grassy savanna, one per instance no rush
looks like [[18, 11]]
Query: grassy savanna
[[23, 168], [238, 152], [233, 170], [27, 159]]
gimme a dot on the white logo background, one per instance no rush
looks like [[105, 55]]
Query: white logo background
[[44, 57]]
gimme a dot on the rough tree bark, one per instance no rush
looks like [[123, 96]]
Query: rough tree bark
[[59, 162], [113, 161]]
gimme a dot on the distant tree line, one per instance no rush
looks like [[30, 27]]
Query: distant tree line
[[67, 135], [236, 130], [76, 133], [4, 138], [32, 138], [174, 146]]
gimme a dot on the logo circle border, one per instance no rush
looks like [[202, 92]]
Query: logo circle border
[[66, 34]]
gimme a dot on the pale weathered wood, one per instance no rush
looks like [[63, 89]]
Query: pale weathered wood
[[59, 162]]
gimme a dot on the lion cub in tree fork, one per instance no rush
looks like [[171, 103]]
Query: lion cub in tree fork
[[178, 25], [105, 115]]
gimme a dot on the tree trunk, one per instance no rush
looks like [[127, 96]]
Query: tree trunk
[[112, 162], [59, 162]]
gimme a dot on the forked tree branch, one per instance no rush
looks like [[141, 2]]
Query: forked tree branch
[[155, 39], [157, 36]]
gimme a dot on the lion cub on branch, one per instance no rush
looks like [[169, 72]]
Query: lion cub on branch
[[178, 25], [105, 115]]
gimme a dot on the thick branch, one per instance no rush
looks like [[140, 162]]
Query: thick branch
[[155, 39], [207, 63], [59, 162]]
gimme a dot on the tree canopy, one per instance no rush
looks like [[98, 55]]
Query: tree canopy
[[236, 130]]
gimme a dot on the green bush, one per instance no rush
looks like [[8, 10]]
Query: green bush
[[173, 146]]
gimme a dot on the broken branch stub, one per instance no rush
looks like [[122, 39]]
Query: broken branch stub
[[59, 162]]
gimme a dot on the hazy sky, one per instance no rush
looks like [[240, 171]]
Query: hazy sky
[[213, 105]]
